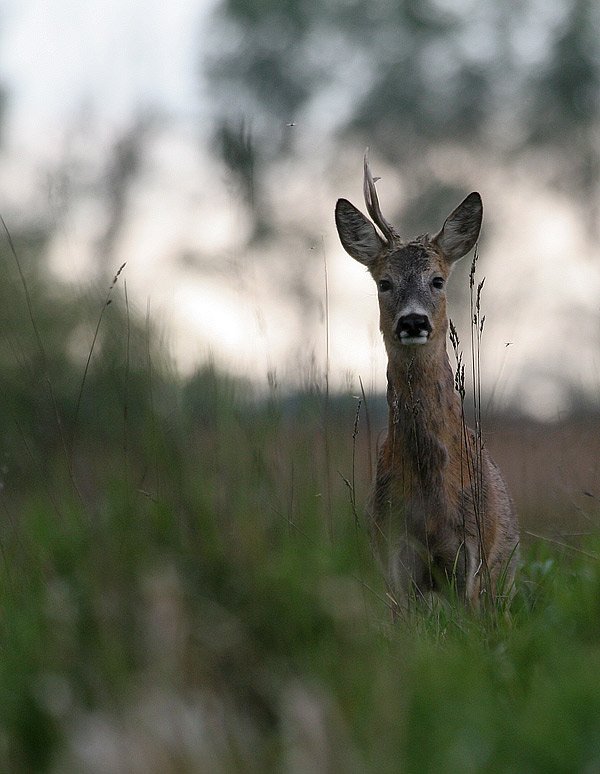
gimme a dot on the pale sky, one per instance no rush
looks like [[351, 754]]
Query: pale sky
[[57, 54]]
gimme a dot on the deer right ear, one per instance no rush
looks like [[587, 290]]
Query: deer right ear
[[357, 234]]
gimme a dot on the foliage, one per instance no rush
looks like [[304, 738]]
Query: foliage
[[186, 582], [506, 82], [176, 603]]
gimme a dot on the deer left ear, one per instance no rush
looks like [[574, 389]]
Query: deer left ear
[[461, 228]]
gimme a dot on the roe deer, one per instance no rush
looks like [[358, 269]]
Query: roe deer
[[439, 510]]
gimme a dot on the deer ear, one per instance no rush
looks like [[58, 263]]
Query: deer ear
[[461, 228], [357, 234]]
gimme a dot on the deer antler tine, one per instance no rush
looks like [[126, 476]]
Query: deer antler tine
[[372, 202]]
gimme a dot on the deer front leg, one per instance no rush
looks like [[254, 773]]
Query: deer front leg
[[408, 572]]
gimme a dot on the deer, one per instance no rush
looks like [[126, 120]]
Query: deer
[[439, 514]]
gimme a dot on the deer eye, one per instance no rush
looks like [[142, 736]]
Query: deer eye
[[438, 283], [384, 285]]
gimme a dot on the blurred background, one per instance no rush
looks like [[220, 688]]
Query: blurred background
[[192, 381], [205, 145]]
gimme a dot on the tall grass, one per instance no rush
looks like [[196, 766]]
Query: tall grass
[[196, 593], [472, 464]]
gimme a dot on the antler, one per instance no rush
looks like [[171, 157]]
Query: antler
[[372, 203]]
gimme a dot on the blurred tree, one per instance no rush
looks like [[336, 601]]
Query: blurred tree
[[122, 170], [564, 114], [407, 76]]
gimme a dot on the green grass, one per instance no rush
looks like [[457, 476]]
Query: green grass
[[186, 584], [182, 604]]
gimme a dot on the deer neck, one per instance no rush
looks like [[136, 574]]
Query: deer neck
[[424, 408]]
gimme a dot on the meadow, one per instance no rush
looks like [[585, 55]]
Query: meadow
[[186, 582]]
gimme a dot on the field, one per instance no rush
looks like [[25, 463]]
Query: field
[[187, 585]]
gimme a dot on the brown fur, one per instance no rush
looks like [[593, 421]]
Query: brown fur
[[439, 511]]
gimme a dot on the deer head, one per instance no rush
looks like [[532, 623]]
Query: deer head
[[410, 276]]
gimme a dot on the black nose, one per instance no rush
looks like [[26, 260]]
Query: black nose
[[412, 326]]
